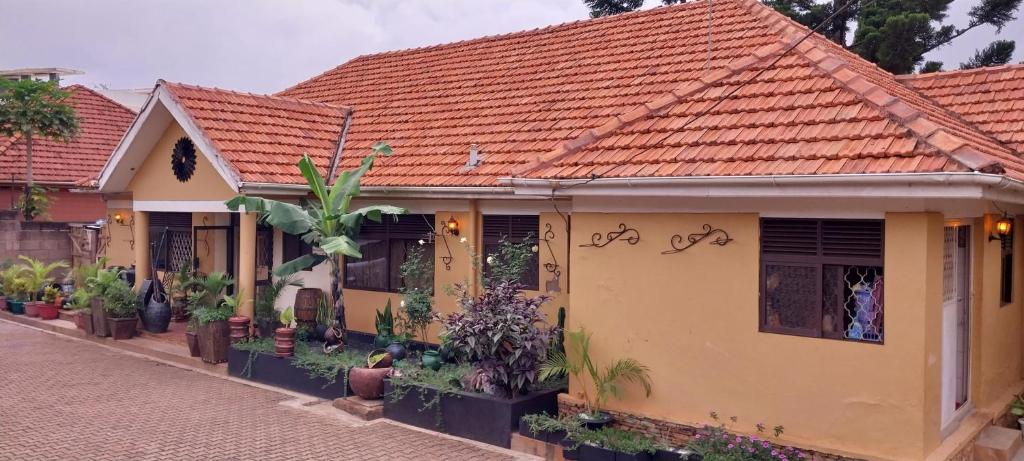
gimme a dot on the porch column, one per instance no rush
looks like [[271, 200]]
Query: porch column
[[246, 262], [141, 238]]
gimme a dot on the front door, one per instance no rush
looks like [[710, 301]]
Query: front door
[[956, 275], [214, 250]]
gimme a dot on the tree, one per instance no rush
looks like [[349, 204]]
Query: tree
[[931, 66], [327, 224], [895, 34], [30, 108], [997, 53]]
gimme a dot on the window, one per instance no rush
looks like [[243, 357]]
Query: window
[[515, 229], [822, 278], [1006, 272], [170, 237], [292, 246], [384, 246]]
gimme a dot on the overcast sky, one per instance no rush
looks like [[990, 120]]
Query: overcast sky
[[267, 45]]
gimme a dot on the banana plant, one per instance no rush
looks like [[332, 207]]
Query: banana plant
[[325, 223]]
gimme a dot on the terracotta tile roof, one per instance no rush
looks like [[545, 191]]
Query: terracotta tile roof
[[102, 123], [262, 136], [991, 98], [614, 97]]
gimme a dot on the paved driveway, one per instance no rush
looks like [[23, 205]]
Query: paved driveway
[[62, 399]]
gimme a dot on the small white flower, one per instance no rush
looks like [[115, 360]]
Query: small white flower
[[422, 242], [463, 240], [403, 303], [534, 248], [490, 260]]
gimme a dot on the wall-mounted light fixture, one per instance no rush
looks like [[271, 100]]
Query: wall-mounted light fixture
[[119, 218], [452, 226], [1002, 228]]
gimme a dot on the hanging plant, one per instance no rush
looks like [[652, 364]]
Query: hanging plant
[[183, 159]]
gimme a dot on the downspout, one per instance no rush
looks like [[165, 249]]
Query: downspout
[[478, 244], [333, 168]]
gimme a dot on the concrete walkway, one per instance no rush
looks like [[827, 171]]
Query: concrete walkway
[[68, 399]]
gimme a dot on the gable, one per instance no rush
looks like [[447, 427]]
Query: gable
[[154, 180]]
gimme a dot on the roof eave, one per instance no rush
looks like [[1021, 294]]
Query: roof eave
[[468, 192]]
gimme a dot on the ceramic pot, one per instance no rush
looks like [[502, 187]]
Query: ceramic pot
[[48, 311], [157, 315], [32, 308], [397, 350], [319, 332], [384, 362], [239, 326], [192, 338], [214, 342], [16, 307], [122, 328], [431, 359], [368, 383], [596, 422], [284, 342]]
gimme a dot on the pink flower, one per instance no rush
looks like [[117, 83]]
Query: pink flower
[[775, 452], [730, 446]]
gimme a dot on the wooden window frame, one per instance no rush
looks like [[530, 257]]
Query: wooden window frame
[[388, 235], [818, 260], [489, 240]]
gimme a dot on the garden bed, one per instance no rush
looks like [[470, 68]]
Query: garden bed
[[481, 417], [264, 367]]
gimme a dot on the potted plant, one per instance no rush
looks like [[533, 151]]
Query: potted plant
[[80, 301], [284, 336], [267, 317], [607, 382], [238, 325], [368, 382], [385, 326], [49, 309], [3, 288], [192, 336], [121, 305], [1017, 409], [20, 290], [8, 284], [37, 275], [97, 285], [179, 293], [211, 313]]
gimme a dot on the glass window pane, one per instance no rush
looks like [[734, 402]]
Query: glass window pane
[[862, 294], [791, 297]]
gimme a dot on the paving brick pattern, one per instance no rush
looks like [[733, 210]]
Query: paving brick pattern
[[69, 400]]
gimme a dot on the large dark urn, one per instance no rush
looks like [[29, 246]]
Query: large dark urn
[[397, 350], [156, 317]]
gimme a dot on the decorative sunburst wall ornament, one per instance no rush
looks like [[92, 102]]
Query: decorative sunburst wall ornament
[[183, 159]]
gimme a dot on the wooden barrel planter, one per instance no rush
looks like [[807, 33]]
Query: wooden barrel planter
[[99, 318], [214, 341], [307, 302]]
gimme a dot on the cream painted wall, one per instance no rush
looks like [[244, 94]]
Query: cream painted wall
[[693, 318], [154, 180], [119, 249]]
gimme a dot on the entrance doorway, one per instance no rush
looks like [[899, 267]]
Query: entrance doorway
[[214, 248], [956, 321]]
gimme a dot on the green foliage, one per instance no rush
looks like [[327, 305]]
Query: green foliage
[[101, 281], [599, 8], [716, 443], [9, 279], [385, 321], [120, 301], [37, 274], [267, 299], [618, 440], [329, 366], [208, 291], [997, 53], [288, 317], [324, 312], [930, 67], [80, 299], [607, 382], [31, 109], [207, 314], [50, 294], [542, 422], [418, 291], [1017, 406], [36, 203], [511, 261], [84, 272], [255, 344]]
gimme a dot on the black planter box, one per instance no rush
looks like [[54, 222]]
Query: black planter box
[[479, 417], [595, 453], [269, 369], [669, 455], [554, 437]]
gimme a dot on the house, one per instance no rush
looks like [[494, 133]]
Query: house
[[737, 192], [64, 167]]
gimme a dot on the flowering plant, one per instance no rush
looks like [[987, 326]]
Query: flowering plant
[[716, 443]]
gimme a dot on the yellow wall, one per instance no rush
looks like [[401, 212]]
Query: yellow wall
[[154, 180], [693, 318], [118, 249]]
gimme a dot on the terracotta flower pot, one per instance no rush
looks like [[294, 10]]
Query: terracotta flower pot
[[284, 342], [368, 383], [32, 308], [3, 303], [192, 338], [48, 311], [239, 326], [122, 328]]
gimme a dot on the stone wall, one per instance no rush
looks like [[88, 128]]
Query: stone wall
[[45, 241]]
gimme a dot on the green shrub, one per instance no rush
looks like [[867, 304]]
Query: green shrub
[[120, 301]]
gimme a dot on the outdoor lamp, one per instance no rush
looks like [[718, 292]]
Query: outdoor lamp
[[1003, 227], [119, 218], [452, 225]]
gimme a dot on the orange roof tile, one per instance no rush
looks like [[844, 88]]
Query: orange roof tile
[[102, 123], [618, 96], [991, 98], [262, 136]]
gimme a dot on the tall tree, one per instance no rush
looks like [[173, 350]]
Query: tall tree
[[31, 109], [997, 53], [895, 34]]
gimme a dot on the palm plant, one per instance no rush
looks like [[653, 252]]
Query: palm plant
[[326, 224], [267, 299], [29, 108], [37, 274], [607, 383], [104, 278], [207, 291], [9, 279]]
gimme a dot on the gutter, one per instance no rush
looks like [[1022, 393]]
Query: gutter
[[385, 191], [890, 185]]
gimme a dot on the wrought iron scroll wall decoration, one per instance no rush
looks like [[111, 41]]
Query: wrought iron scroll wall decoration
[[552, 267], [446, 260], [627, 234], [721, 238]]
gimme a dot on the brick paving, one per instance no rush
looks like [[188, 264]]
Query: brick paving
[[62, 399]]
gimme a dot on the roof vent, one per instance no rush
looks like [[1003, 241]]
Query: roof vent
[[474, 156]]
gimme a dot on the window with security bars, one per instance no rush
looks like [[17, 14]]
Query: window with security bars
[[384, 246], [1006, 271], [515, 229], [170, 237], [822, 278]]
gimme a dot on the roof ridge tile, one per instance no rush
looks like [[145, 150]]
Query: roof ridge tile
[[273, 97]]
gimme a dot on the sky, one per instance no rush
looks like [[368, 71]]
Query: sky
[[264, 46]]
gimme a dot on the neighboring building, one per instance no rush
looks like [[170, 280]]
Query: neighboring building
[[732, 218], [49, 74], [67, 167]]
